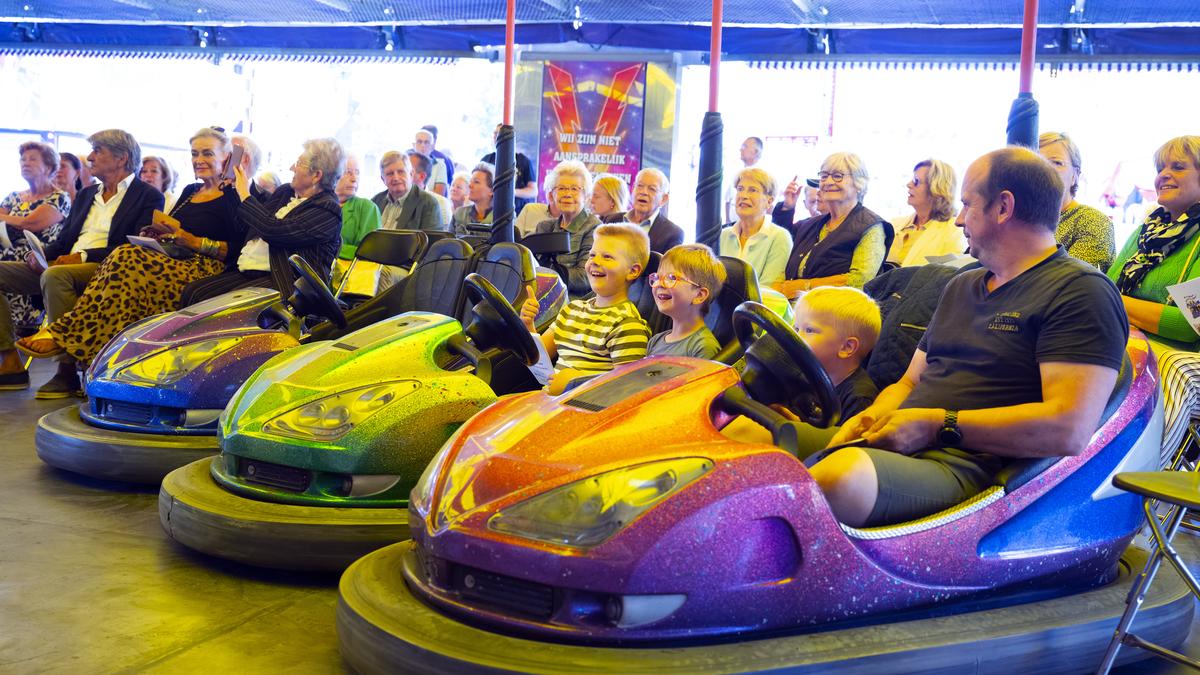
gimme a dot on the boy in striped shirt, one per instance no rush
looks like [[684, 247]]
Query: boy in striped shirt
[[592, 335]]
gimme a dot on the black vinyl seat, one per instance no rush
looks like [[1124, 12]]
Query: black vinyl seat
[[511, 269], [741, 284], [393, 248], [642, 296]]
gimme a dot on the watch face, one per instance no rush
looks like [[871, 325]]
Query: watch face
[[949, 436]]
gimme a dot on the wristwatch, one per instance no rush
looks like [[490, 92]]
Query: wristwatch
[[950, 435]]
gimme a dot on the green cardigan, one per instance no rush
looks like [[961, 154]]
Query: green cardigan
[[1178, 267], [360, 217]]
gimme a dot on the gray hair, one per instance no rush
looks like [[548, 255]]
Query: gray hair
[[570, 167], [326, 155], [250, 148], [853, 165], [391, 157], [119, 142], [217, 135], [657, 173]]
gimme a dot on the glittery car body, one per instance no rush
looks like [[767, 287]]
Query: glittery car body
[[745, 544]]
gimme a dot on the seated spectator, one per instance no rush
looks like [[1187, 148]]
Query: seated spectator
[[439, 156], [404, 205], [753, 237], [135, 282], [533, 213], [930, 229], [1019, 360], [750, 153], [103, 217], [609, 195], [847, 245], [1085, 232], [439, 171], [591, 336], [651, 190], [67, 178], [421, 165], [785, 214], [262, 185], [476, 217], [525, 188], [40, 210], [570, 181], [841, 326], [359, 215], [265, 183], [1162, 252], [688, 279], [302, 217], [158, 174], [458, 192]]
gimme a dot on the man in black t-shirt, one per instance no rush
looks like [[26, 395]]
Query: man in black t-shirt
[[1018, 361]]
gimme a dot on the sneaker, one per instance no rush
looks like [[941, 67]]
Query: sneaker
[[60, 386], [14, 381]]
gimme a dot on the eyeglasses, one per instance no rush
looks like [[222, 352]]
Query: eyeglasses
[[571, 189], [835, 176], [669, 281]]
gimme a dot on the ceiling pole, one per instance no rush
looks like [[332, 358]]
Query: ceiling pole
[[710, 178], [503, 199], [1023, 116]]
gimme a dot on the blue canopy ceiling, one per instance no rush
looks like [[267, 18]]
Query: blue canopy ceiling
[[754, 28]]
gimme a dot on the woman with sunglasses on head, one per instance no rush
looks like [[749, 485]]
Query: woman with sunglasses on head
[[197, 239], [846, 245]]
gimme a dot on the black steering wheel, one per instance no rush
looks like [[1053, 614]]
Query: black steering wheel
[[310, 295], [780, 368], [496, 323]]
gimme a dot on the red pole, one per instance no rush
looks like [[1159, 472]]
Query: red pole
[[509, 38], [714, 57], [1028, 45]]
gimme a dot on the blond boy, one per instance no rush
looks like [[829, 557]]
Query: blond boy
[[688, 279], [592, 335]]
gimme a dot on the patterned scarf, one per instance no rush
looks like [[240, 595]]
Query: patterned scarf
[[1160, 237]]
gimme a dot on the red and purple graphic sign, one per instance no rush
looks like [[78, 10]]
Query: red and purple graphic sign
[[593, 112]]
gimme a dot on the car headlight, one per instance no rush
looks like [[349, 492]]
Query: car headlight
[[328, 419], [587, 512], [171, 365]]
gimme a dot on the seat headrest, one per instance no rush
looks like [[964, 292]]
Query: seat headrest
[[642, 297], [446, 248], [398, 248], [515, 256], [741, 284]]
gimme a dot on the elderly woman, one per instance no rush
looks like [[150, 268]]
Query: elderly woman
[[1163, 252], [478, 209], [570, 182], [158, 174], [302, 217], [458, 192], [609, 195], [930, 229], [753, 237], [1085, 232], [40, 210], [845, 246], [360, 216], [69, 178], [134, 282]]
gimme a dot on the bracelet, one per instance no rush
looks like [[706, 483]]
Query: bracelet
[[209, 248]]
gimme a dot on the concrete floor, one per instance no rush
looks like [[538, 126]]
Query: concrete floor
[[89, 583]]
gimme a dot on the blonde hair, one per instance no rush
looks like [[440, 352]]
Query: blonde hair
[[637, 242], [1052, 137], [1187, 146], [700, 265], [852, 312], [615, 189], [942, 186], [764, 180]]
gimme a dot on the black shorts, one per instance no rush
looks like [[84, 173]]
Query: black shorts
[[929, 481]]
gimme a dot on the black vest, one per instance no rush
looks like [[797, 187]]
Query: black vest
[[833, 254]]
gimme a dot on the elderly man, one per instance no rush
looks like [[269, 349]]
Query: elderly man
[[751, 154], [1018, 361], [651, 190], [251, 159], [104, 215], [404, 205], [439, 176]]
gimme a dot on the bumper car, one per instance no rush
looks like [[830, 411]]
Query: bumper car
[[321, 446], [156, 390], [551, 534]]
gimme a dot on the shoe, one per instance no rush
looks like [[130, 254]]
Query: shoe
[[14, 381], [35, 346], [60, 386]]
